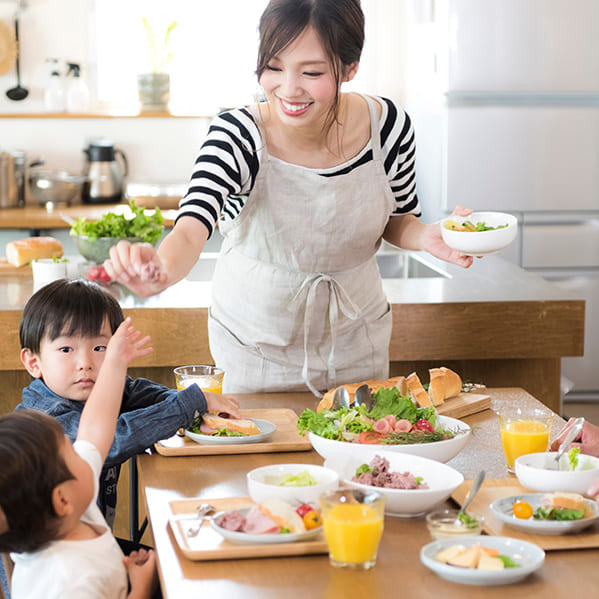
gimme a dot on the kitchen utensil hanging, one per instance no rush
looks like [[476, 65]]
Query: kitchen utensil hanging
[[19, 92]]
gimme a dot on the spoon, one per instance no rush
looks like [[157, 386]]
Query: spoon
[[572, 434], [478, 481], [204, 509], [340, 399], [363, 397], [18, 92]]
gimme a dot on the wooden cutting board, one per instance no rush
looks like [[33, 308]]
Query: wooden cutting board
[[285, 438], [465, 404], [6, 268], [209, 545], [493, 489]]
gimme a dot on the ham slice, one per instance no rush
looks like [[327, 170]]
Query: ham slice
[[256, 523], [207, 430]]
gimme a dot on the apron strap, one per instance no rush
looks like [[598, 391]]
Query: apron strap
[[340, 301]]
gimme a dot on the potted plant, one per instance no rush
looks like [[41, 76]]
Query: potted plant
[[154, 85]]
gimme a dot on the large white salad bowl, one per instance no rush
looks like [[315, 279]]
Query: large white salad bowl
[[441, 479], [441, 451]]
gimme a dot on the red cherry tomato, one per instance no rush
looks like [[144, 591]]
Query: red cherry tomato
[[103, 276], [93, 273], [303, 509], [424, 425], [371, 438]]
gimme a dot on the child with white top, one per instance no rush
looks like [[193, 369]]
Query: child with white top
[[49, 520]]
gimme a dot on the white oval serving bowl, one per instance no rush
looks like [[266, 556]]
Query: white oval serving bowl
[[527, 555], [481, 243], [262, 483], [441, 451], [441, 479], [534, 474]]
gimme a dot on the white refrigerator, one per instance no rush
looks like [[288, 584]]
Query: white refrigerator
[[504, 96]]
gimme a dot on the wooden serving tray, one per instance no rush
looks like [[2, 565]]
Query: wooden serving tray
[[6, 268], [497, 489], [285, 438], [464, 404], [209, 545]]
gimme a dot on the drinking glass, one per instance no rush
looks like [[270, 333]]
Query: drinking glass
[[523, 431], [208, 378], [353, 526]]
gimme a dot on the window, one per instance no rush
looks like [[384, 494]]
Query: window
[[214, 48]]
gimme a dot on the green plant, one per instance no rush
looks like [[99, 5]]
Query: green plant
[[159, 56]]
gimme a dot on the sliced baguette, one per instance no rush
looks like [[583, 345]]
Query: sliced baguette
[[419, 395], [444, 383], [239, 425], [23, 251]]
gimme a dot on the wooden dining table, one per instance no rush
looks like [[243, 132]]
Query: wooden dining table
[[398, 571]]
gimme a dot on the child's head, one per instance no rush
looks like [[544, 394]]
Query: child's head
[[339, 24], [64, 331], [32, 467]]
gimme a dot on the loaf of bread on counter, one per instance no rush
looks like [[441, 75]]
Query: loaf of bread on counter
[[444, 383], [23, 251]]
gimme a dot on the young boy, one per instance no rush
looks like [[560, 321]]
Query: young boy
[[64, 331], [61, 544]]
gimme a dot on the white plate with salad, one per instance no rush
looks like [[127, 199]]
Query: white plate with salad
[[542, 520], [522, 559], [480, 233], [394, 423], [266, 431]]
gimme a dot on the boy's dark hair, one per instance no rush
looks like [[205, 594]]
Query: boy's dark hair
[[32, 467], [67, 307]]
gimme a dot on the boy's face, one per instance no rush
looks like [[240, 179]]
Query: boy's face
[[69, 365]]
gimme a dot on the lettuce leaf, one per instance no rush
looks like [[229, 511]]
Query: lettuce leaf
[[557, 513], [319, 424]]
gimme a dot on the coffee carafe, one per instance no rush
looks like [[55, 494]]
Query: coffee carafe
[[105, 174]]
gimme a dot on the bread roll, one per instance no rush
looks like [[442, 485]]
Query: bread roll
[[282, 514], [419, 395], [23, 251], [399, 381], [238, 425], [444, 383]]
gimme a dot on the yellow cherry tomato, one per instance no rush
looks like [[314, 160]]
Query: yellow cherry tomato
[[312, 520], [522, 510]]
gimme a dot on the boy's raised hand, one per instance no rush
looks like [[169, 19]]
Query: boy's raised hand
[[126, 344]]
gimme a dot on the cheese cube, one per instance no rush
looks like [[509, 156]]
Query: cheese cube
[[450, 552], [486, 562], [466, 559]]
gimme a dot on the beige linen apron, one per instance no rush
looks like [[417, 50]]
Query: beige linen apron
[[297, 295]]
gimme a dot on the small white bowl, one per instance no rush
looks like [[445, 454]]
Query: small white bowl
[[472, 243], [263, 483], [441, 479], [533, 473], [441, 451]]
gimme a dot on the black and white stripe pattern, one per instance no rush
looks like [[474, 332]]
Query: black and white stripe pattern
[[225, 171]]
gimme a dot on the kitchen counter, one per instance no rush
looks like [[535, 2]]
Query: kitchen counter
[[35, 217], [493, 323]]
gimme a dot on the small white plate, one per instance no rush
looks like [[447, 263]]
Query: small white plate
[[528, 556], [481, 243], [243, 538], [266, 431], [502, 509]]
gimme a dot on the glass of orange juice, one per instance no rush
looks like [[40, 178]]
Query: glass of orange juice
[[208, 378], [523, 431], [353, 526]]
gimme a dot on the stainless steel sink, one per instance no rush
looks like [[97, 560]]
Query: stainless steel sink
[[393, 265]]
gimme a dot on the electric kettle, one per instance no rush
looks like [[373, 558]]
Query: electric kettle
[[105, 175]]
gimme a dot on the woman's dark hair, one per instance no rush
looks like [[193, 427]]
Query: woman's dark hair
[[339, 25], [32, 467], [66, 307]]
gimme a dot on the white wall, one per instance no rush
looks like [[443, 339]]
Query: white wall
[[158, 150]]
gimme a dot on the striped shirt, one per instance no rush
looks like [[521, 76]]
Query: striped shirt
[[225, 171]]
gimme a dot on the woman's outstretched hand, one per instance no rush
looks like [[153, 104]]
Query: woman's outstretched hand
[[433, 243]]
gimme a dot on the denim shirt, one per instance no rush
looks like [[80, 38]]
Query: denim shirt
[[149, 412]]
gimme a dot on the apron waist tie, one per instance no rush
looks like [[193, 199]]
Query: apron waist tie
[[339, 301]]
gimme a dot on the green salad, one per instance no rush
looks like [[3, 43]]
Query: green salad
[[146, 227]]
